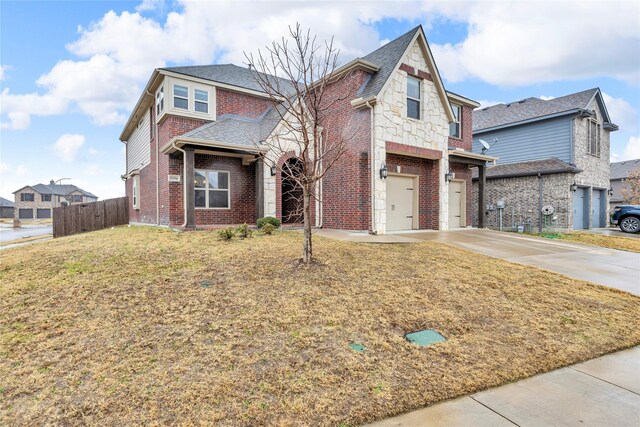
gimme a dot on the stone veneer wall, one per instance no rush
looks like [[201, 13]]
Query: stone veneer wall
[[521, 196], [392, 124]]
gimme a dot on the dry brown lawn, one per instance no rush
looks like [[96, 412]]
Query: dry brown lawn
[[142, 326], [614, 242]]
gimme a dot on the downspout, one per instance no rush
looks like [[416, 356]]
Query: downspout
[[184, 181], [320, 198], [539, 203], [373, 172], [155, 137]]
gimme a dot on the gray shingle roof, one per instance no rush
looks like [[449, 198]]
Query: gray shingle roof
[[4, 203], [620, 170], [386, 57], [530, 168], [529, 108], [58, 190], [238, 130], [226, 73]]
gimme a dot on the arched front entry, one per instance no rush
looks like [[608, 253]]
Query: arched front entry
[[291, 192]]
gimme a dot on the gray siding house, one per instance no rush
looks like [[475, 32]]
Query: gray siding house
[[620, 171], [6, 208], [552, 170]]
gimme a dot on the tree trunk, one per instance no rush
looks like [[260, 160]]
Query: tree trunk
[[307, 251]]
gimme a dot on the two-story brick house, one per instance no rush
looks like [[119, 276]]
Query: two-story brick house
[[196, 157], [36, 201], [551, 153]]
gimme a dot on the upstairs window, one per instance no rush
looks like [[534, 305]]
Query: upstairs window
[[593, 138], [413, 97], [202, 101], [134, 192], [454, 128], [45, 197], [181, 97], [159, 101], [212, 189], [77, 198], [27, 197]]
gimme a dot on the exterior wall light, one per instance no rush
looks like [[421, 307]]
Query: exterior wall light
[[274, 170], [574, 187], [383, 171], [610, 191], [449, 176]]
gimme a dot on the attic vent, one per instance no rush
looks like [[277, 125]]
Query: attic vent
[[521, 102], [508, 105]]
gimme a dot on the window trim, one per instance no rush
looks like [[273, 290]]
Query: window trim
[[206, 190], [42, 197], [458, 120], [23, 198], [418, 100], [135, 192], [594, 148], [180, 97], [160, 101], [196, 100], [75, 196]]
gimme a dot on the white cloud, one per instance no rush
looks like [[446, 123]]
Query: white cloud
[[147, 5], [19, 108], [621, 113], [522, 43], [4, 168], [546, 98], [93, 169], [632, 149], [3, 69], [22, 171], [67, 146], [485, 103]]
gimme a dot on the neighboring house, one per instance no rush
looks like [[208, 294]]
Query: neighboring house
[[6, 208], [206, 123], [551, 153], [619, 173], [36, 201]]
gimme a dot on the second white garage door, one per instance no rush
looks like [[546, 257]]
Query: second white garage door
[[401, 194]]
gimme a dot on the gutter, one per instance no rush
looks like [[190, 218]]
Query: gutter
[[211, 144], [521, 174], [184, 181]]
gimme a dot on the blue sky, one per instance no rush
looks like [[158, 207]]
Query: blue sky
[[71, 71]]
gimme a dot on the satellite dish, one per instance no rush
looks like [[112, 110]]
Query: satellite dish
[[485, 144], [547, 210]]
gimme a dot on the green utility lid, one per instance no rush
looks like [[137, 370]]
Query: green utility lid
[[357, 347], [425, 337]]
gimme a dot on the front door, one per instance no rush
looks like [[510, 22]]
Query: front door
[[579, 200], [400, 202], [456, 208]]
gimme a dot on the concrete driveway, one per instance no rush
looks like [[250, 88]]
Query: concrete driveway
[[612, 232], [608, 267]]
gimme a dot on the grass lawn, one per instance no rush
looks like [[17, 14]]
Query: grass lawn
[[137, 326], [613, 242]]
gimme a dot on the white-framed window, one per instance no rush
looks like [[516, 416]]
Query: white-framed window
[[135, 192], [212, 189], [413, 97], [181, 97], [201, 101], [159, 101], [593, 138], [454, 128]]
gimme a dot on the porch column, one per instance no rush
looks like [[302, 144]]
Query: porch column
[[482, 180], [189, 177], [260, 187]]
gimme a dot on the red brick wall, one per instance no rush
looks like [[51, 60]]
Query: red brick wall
[[228, 102], [243, 191], [462, 171], [346, 186], [428, 192], [466, 128], [281, 162], [170, 127]]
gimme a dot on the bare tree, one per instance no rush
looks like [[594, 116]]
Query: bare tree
[[631, 192], [302, 94]]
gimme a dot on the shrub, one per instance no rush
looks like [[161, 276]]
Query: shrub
[[268, 228], [244, 231], [268, 220], [226, 233]]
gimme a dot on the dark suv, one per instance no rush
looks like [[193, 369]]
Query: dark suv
[[627, 217]]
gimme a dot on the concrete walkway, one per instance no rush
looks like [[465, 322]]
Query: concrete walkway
[[607, 267], [601, 392], [616, 232]]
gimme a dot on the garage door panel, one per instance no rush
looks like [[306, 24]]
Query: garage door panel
[[43, 213], [456, 189], [598, 209], [25, 213], [400, 202]]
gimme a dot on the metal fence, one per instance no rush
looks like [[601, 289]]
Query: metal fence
[[85, 217]]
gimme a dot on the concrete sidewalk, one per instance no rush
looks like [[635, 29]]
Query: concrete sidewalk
[[601, 392]]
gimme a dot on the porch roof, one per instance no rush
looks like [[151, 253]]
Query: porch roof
[[230, 131]]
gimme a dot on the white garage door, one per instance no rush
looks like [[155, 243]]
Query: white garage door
[[400, 202]]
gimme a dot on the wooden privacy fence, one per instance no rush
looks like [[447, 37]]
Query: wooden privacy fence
[[94, 216]]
